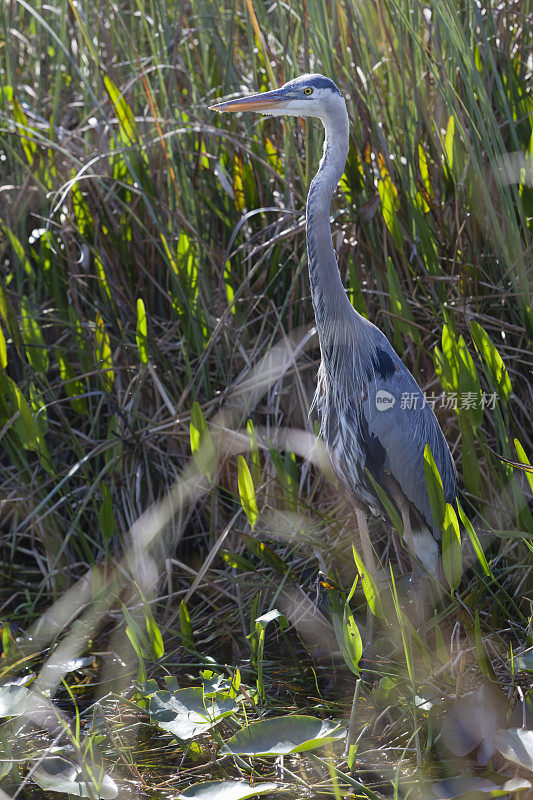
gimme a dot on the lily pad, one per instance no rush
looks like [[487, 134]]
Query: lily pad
[[283, 735], [473, 787], [228, 790], [14, 700], [472, 722], [56, 774], [516, 745], [524, 663], [187, 712]]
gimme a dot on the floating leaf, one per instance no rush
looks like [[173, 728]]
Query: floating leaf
[[516, 745], [247, 492], [188, 712], [15, 700], [228, 790], [472, 722], [524, 663], [473, 787], [56, 774], [283, 735]]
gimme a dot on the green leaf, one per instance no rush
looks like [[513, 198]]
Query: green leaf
[[126, 120], [389, 506], [247, 492], [497, 369], [56, 774], [369, 586], [402, 319], [103, 355], [186, 713], [476, 544], [3, 350], [18, 405], [451, 548], [74, 387], [434, 487], [20, 253], [283, 735], [448, 142], [228, 790], [33, 339], [202, 448], [187, 635], [521, 453], [142, 332], [345, 627], [21, 119], [266, 554]]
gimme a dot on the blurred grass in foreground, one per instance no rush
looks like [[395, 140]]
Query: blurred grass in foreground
[[154, 295]]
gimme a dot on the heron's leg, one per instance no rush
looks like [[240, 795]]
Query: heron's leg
[[417, 574], [370, 564]]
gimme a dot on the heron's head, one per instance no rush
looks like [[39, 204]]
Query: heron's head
[[306, 96]]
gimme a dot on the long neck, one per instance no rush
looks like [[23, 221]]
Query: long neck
[[329, 299]]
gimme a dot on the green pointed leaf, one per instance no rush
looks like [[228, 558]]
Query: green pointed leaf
[[476, 544], [142, 332], [402, 319], [369, 586], [247, 492], [29, 147], [103, 354], [33, 338], [3, 350], [451, 548], [497, 369], [283, 735], [202, 448], [434, 487], [522, 457], [126, 120], [390, 508], [187, 635]]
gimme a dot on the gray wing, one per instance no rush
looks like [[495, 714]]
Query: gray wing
[[397, 426]]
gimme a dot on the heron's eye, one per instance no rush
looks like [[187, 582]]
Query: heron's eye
[[308, 90]]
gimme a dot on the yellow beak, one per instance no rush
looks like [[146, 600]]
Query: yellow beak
[[254, 102]]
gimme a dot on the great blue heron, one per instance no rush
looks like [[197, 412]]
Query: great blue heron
[[365, 420]]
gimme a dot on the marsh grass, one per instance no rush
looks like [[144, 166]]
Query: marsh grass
[[132, 537]]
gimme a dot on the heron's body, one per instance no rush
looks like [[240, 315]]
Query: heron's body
[[372, 413]]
